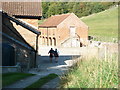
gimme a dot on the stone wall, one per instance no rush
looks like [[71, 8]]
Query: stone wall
[[7, 69], [23, 57], [24, 52]]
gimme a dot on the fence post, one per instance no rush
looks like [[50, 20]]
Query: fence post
[[105, 53], [98, 53]]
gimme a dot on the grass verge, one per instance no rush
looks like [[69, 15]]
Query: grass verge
[[42, 81], [93, 73], [10, 78]]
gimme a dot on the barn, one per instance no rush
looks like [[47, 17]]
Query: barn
[[63, 30], [19, 37]]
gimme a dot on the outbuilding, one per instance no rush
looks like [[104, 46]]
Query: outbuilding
[[19, 42], [64, 30]]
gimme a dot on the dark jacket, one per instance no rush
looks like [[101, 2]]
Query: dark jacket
[[56, 54]]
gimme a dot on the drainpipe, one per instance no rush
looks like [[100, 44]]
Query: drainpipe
[[36, 51]]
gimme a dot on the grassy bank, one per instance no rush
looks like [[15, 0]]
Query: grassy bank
[[93, 73], [103, 25], [10, 78]]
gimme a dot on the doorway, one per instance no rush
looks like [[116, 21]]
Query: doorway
[[72, 31], [8, 55]]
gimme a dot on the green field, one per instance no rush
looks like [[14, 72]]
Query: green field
[[103, 25]]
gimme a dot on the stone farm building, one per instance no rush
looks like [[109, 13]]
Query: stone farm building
[[19, 34], [64, 30]]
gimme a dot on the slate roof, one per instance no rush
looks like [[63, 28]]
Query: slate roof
[[22, 8]]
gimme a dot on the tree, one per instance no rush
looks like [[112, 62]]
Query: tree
[[45, 7], [79, 8]]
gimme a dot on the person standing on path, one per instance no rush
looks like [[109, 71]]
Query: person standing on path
[[56, 55], [51, 52]]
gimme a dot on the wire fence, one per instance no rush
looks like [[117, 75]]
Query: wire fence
[[106, 39]]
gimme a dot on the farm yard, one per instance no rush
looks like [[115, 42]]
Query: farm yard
[[94, 65]]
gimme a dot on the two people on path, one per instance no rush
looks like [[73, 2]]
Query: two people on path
[[52, 54]]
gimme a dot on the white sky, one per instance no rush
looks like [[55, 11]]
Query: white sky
[[59, 0]]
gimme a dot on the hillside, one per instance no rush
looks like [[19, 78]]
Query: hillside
[[103, 25]]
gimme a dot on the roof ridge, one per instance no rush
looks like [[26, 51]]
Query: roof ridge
[[62, 14], [55, 20]]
